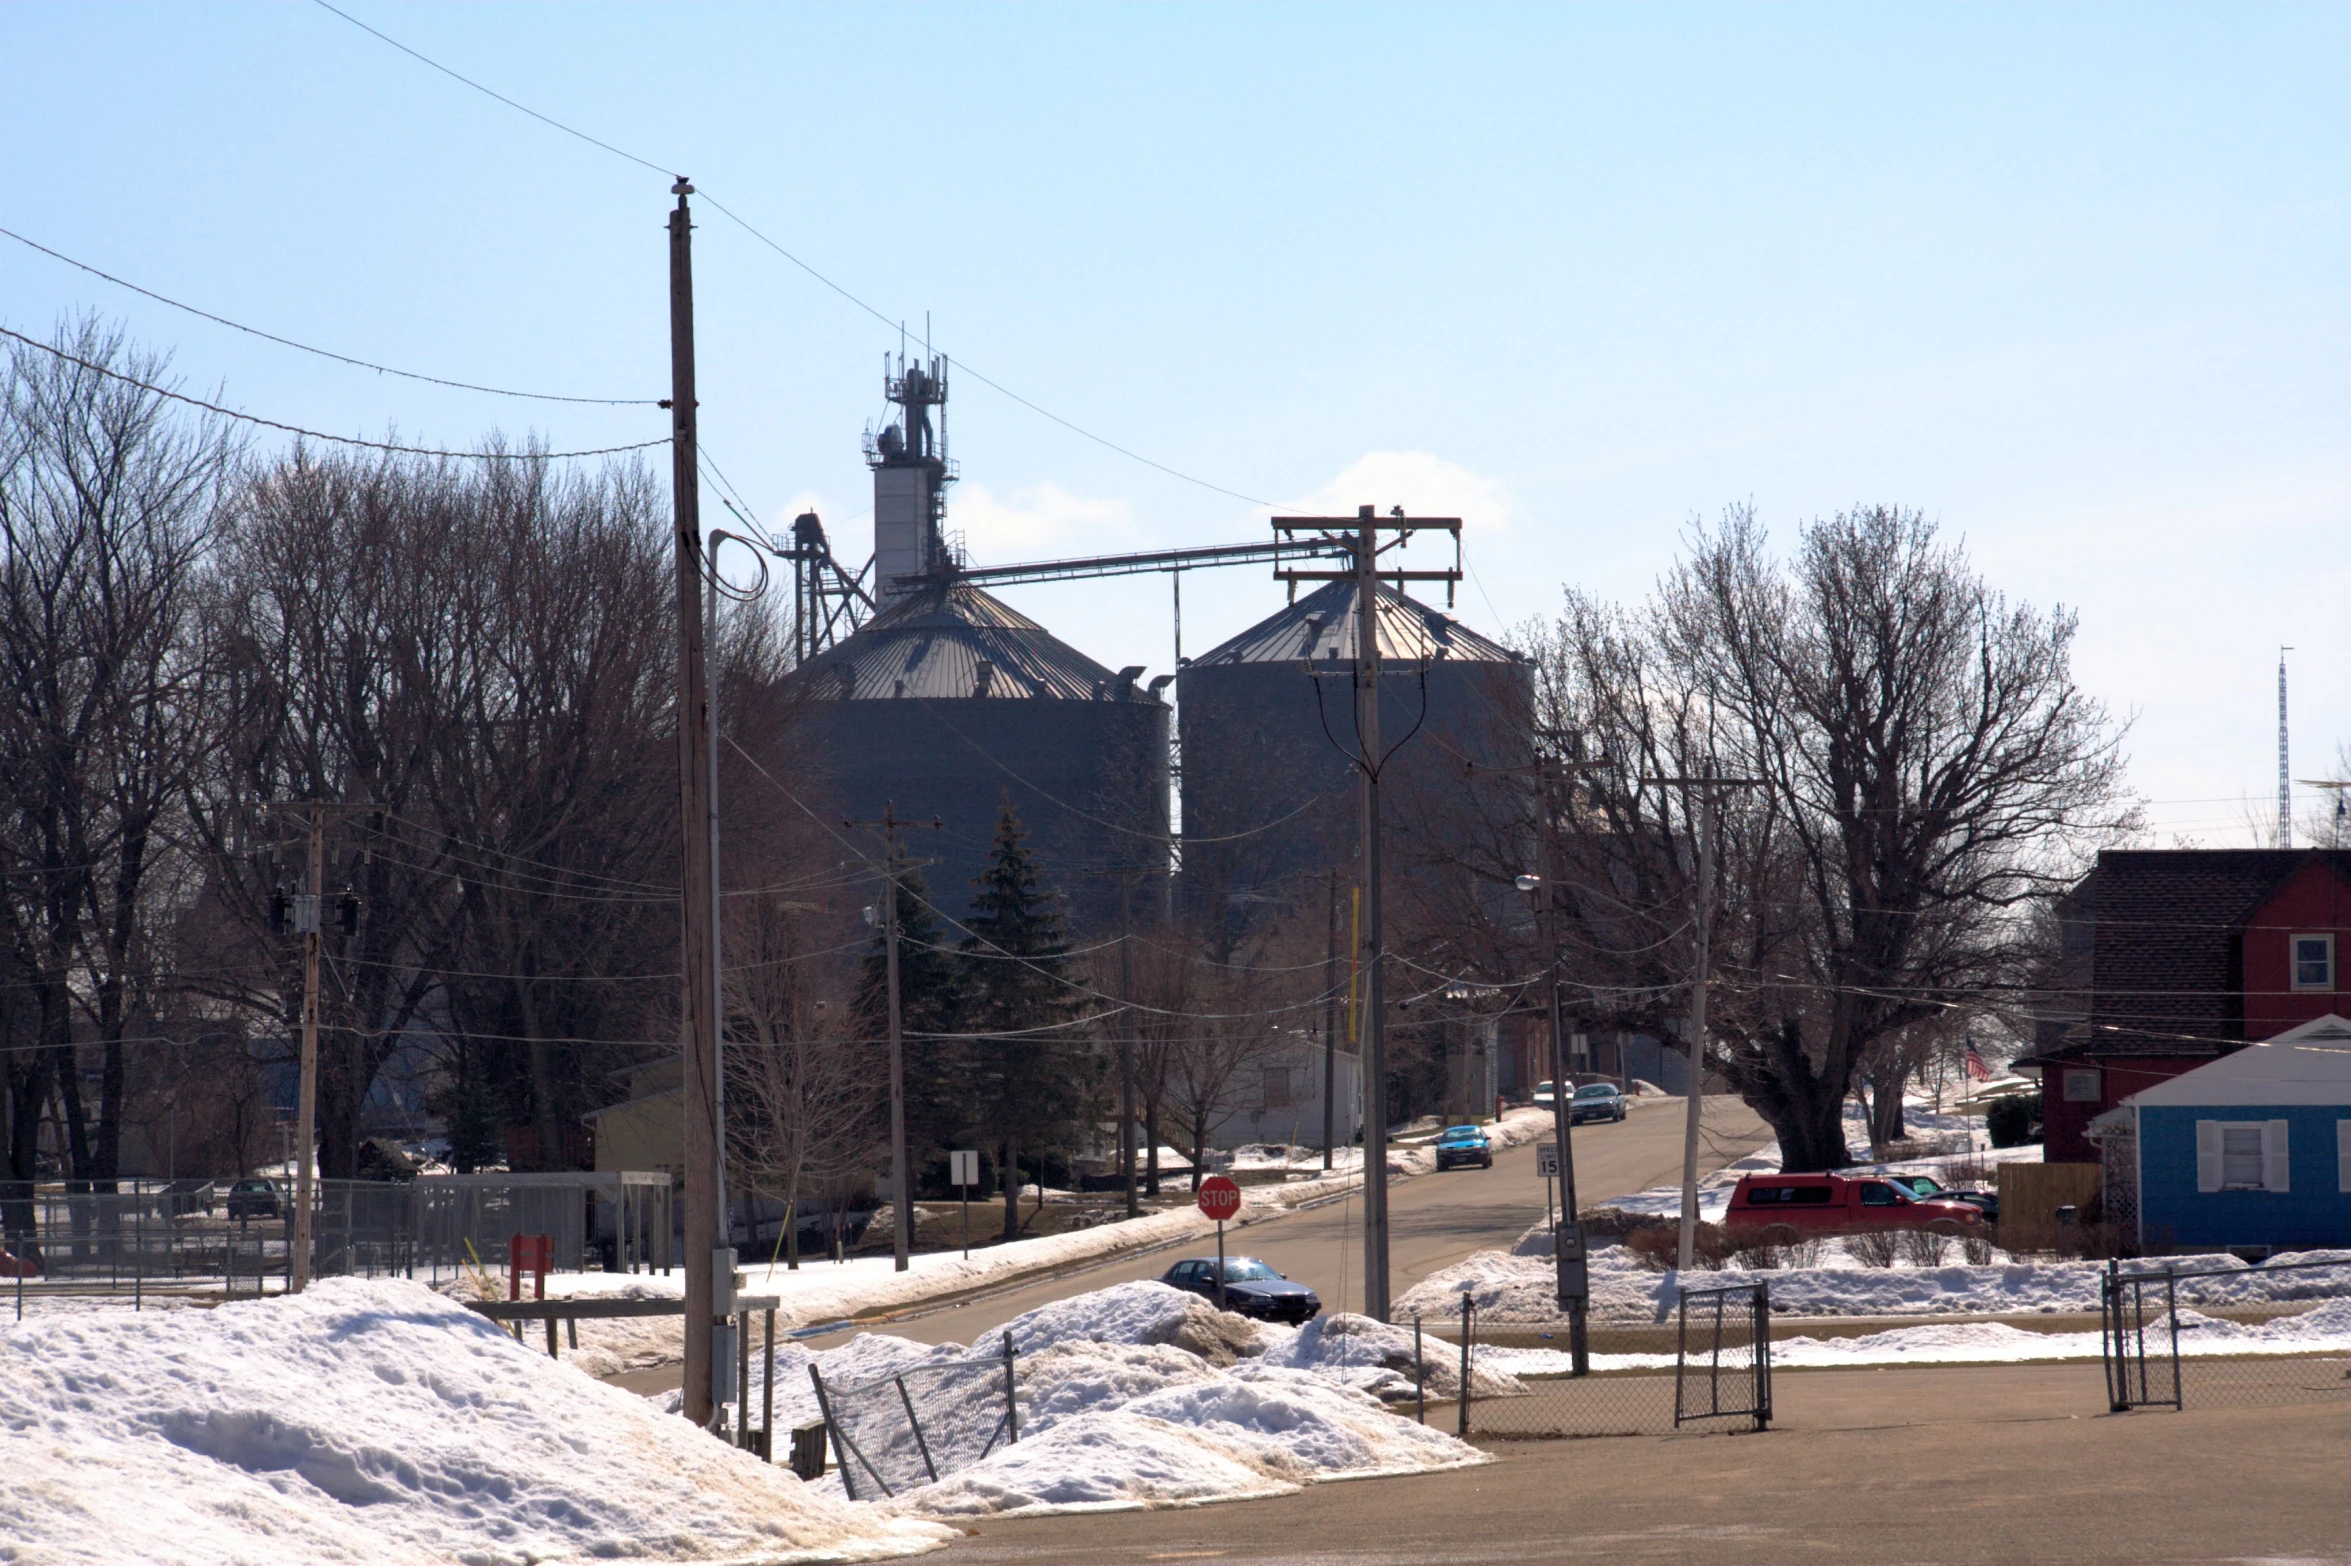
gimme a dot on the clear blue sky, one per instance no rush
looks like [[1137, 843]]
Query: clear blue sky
[[2075, 280]]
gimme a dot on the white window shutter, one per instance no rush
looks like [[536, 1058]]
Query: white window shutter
[[2207, 1155], [2275, 1175], [2343, 1155]]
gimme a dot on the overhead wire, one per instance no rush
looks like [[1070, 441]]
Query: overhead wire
[[749, 228], [526, 454], [323, 353]]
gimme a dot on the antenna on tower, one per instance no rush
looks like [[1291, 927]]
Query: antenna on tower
[[2285, 783]]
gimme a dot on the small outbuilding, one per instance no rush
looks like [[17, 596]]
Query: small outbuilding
[[2252, 1151]]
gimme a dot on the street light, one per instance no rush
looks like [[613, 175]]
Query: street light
[[1567, 1248]]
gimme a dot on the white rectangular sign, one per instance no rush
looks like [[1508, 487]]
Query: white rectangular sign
[[1547, 1160], [963, 1167]]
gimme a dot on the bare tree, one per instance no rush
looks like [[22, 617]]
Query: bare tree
[[107, 499], [1927, 768]]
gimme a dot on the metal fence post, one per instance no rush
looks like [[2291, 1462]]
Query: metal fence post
[[767, 1393], [1011, 1391], [2171, 1308], [1466, 1318], [1763, 1354], [1420, 1375]]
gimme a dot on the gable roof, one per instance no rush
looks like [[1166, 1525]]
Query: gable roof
[[2310, 1064], [2160, 963]]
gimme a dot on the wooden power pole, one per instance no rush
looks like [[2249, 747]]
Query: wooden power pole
[[1359, 537], [705, 1137], [901, 1194]]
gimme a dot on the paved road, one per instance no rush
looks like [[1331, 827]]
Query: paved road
[[1975, 1466], [1433, 1221]]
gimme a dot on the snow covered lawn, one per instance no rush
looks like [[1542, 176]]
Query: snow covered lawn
[[371, 1422]]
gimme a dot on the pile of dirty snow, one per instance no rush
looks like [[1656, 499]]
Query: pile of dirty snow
[[1137, 1395], [369, 1421], [1518, 1286]]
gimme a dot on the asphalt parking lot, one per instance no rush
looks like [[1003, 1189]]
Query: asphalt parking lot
[[1957, 1465]]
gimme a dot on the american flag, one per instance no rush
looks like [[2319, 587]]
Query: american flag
[[1977, 1071]]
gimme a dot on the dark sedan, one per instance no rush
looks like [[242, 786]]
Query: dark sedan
[[1464, 1145], [1250, 1287], [254, 1199]]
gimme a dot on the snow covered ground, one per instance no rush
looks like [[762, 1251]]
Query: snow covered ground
[[371, 1422], [2323, 1329], [1141, 1395], [1517, 1286]]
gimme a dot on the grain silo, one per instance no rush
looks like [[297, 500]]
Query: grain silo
[[1268, 726], [948, 702]]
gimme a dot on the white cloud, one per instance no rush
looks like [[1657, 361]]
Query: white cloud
[[1038, 521], [1423, 483]]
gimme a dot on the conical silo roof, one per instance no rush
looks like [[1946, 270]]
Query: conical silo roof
[[949, 639], [1322, 626]]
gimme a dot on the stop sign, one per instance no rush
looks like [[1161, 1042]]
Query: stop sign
[[1219, 1197]]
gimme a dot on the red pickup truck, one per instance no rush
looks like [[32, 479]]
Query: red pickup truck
[[1840, 1204]]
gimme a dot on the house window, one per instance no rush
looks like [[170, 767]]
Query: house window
[[2240, 1158], [1278, 1087], [2314, 962], [2082, 1087], [2242, 1155]]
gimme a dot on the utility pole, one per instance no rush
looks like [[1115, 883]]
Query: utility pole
[[1126, 1062], [306, 1130], [1704, 823], [1330, 1026], [901, 1196], [705, 1134], [1359, 537], [1573, 1279], [309, 924]]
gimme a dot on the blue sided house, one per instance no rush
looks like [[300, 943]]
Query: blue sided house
[[2252, 1151]]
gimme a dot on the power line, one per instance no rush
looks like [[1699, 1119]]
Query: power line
[[310, 434], [323, 353], [745, 225]]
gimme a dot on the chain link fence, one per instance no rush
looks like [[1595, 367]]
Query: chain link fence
[[238, 1237], [1710, 1367], [2220, 1337], [914, 1427]]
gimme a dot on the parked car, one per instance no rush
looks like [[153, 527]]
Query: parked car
[[1546, 1094], [12, 1266], [1796, 1204], [1926, 1190], [1595, 1101], [255, 1198], [1464, 1145], [1250, 1287]]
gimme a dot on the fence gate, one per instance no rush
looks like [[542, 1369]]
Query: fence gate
[[1722, 1355], [2127, 1300]]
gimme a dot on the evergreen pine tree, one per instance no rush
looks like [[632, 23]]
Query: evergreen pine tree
[[938, 1091], [1031, 1082]]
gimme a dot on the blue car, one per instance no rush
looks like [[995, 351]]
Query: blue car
[[1464, 1145]]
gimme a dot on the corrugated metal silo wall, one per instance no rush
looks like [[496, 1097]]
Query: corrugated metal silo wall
[[1266, 768], [1089, 779]]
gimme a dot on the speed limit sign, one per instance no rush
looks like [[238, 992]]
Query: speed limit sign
[[1547, 1160]]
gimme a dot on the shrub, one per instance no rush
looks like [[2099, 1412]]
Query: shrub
[[1923, 1247], [1659, 1246], [2014, 1121], [1875, 1247], [1976, 1249]]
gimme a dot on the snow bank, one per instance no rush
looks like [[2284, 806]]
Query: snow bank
[[1142, 1395], [371, 1421], [1518, 1285], [2323, 1330]]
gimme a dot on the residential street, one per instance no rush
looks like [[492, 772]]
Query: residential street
[[1434, 1220]]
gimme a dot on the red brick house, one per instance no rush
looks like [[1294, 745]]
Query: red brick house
[[2175, 957]]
